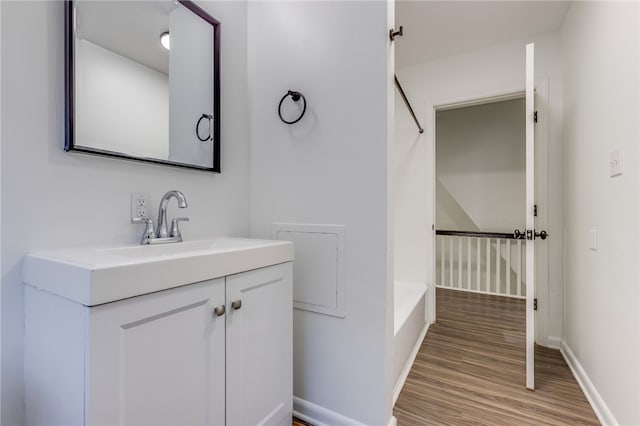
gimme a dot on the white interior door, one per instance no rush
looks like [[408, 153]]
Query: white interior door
[[529, 212]]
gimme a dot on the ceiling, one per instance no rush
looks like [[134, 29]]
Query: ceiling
[[432, 29], [130, 28], [435, 29]]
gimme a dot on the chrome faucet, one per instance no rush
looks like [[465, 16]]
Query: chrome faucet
[[162, 236], [162, 211]]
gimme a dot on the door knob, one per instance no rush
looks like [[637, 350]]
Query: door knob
[[219, 310], [236, 304], [542, 234]]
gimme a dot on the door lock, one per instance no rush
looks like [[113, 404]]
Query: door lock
[[529, 234]]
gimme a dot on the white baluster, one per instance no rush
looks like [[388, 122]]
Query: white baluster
[[459, 262], [442, 256], [508, 269], [488, 265], [468, 263], [519, 267], [478, 264], [450, 261], [498, 268]]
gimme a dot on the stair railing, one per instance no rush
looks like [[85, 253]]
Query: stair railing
[[480, 262]]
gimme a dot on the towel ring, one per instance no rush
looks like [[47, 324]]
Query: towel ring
[[295, 96], [209, 117]]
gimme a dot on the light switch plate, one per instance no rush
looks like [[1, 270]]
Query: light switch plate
[[615, 162], [593, 239]]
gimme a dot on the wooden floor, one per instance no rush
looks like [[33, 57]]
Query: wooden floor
[[471, 370]]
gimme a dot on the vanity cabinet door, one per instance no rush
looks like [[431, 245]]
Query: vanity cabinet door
[[259, 347], [158, 359]]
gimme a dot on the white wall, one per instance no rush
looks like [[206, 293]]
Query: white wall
[[480, 162], [413, 210], [602, 106], [121, 105], [51, 198], [329, 168], [479, 74]]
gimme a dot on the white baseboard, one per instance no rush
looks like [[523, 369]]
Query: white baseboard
[[320, 416], [554, 342], [407, 367], [593, 396]]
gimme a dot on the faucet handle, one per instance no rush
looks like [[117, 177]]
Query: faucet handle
[[148, 234], [175, 230]]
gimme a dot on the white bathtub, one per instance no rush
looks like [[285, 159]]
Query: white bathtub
[[410, 327]]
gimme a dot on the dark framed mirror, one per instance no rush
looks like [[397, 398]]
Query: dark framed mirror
[[142, 82]]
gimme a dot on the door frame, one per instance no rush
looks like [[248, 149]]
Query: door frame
[[507, 92]]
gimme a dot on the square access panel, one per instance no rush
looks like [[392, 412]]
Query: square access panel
[[319, 265]]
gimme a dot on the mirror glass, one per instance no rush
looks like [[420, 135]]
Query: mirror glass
[[143, 82]]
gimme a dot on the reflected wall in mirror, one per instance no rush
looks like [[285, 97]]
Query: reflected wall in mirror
[[143, 81]]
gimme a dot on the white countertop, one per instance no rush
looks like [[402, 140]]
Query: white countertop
[[96, 275]]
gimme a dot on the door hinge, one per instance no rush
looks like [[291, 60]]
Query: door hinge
[[535, 304], [535, 116], [393, 33], [535, 210]]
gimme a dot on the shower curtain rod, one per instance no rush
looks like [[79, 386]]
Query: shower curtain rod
[[406, 102]]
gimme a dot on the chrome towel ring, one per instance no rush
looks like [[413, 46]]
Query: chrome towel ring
[[295, 96]]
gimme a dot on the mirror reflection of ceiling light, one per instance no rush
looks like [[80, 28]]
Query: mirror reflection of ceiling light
[[164, 40]]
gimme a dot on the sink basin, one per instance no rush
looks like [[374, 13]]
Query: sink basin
[[97, 275], [180, 249], [149, 251]]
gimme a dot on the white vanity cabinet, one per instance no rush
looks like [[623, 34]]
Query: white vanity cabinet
[[170, 357], [158, 359], [260, 347]]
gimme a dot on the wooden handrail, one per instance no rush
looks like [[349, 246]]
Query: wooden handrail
[[502, 235]]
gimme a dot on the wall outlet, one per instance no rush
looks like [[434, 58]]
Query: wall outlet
[[139, 204]]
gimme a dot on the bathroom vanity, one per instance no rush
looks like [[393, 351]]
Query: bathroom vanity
[[197, 333]]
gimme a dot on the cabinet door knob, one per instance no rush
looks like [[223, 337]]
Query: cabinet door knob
[[236, 304], [219, 310]]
